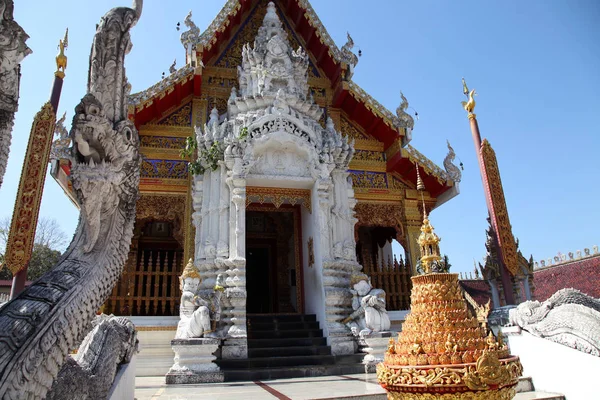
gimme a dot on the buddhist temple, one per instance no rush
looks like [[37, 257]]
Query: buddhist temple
[[265, 163], [203, 93]]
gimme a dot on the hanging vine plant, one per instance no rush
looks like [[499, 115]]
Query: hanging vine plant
[[207, 158]]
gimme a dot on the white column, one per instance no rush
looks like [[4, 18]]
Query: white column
[[197, 197], [223, 243]]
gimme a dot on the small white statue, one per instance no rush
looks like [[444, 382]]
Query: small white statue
[[369, 313], [193, 310]]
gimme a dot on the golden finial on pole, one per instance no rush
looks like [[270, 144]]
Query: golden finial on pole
[[61, 58], [469, 105]]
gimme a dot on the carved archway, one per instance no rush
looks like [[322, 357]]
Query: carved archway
[[165, 208], [383, 215]]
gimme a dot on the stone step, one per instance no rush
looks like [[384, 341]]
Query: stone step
[[262, 318], [282, 326], [291, 372], [286, 342], [538, 395], [289, 351], [288, 361], [525, 384], [276, 334]]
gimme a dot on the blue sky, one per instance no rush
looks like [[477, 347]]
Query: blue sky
[[535, 65]]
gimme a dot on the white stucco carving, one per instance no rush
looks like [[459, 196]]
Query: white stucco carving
[[271, 136], [12, 51]]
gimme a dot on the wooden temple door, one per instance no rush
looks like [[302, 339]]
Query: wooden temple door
[[273, 260]]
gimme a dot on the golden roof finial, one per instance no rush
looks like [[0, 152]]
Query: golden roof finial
[[61, 58], [469, 105], [428, 240]]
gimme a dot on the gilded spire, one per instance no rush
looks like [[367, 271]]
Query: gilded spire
[[429, 242], [61, 58]]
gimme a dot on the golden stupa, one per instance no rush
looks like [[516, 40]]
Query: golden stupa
[[442, 352]]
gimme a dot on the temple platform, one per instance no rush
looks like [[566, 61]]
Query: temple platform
[[348, 387]]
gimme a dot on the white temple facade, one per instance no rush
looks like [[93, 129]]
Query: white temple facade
[[275, 151]]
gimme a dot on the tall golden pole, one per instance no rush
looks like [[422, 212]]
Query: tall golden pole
[[31, 186], [494, 196]]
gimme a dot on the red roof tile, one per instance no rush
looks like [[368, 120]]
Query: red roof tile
[[583, 275], [479, 290]]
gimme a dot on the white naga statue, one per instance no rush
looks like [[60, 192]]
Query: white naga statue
[[195, 312], [369, 313]]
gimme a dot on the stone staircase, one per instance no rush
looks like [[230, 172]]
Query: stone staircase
[[287, 346]]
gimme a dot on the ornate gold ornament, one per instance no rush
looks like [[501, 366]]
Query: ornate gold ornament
[[369, 180], [190, 271], [181, 117], [442, 352], [499, 217], [29, 195], [278, 196], [469, 105], [349, 129], [61, 58]]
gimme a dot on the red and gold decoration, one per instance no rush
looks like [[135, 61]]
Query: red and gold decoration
[[442, 351], [29, 196], [498, 211]]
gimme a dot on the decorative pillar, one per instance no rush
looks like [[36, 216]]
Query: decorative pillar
[[31, 186], [496, 203], [236, 344]]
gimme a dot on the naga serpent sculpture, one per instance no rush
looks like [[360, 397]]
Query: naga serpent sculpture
[[50, 317], [568, 317]]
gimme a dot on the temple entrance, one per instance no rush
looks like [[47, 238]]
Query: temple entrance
[[273, 264]]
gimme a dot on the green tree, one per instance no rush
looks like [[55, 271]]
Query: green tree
[[49, 241]]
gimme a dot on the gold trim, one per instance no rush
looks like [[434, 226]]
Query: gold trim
[[368, 165], [501, 394], [368, 144], [278, 196], [155, 328], [391, 196], [166, 130], [161, 154]]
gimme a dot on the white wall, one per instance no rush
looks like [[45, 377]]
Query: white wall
[[314, 294], [555, 367]]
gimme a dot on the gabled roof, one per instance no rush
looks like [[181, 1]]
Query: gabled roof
[[150, 104]]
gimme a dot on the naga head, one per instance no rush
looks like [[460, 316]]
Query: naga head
[[528, 313], [105, 161]]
